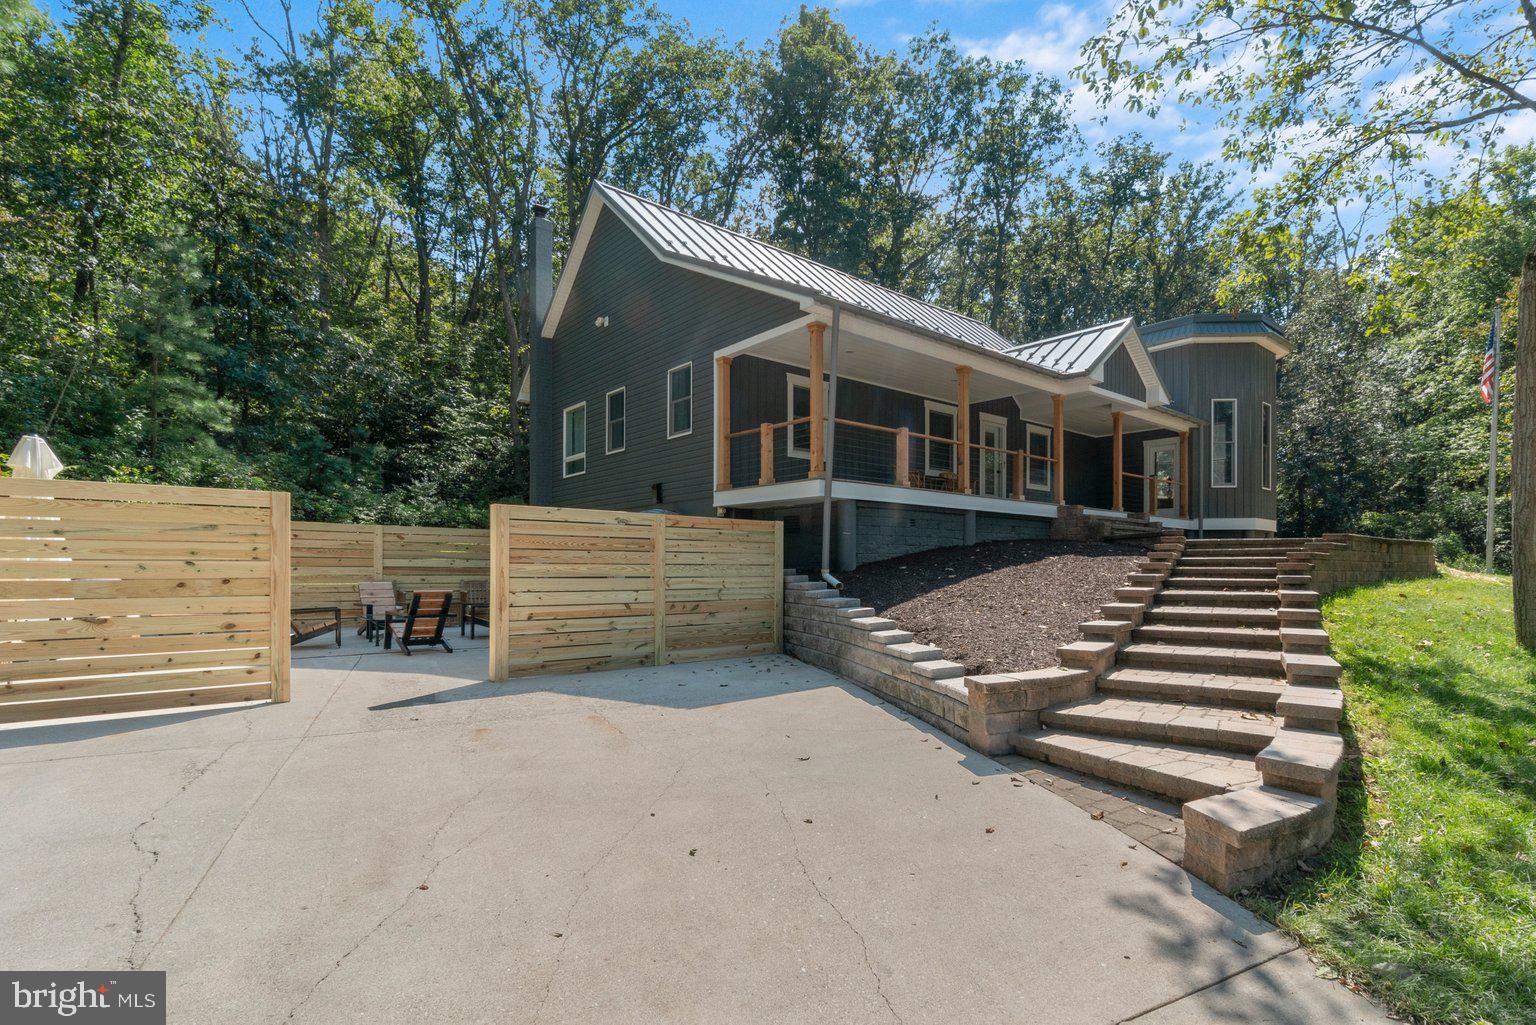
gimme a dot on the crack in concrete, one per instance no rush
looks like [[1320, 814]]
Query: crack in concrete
[[570, 911], [245, 815], [805, 870], [412, 891], [153, 853]]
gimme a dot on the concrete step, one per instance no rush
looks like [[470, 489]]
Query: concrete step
[[1249, 542], [1208, 570], [1217, 599], [1228, 690], [1214, 616], [1206, 635], [795, 578], [1182, 772], [1181, 579], [1191, 559], [1198, 658], [1173, 722]]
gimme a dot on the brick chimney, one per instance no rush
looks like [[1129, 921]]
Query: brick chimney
[[541, 290]]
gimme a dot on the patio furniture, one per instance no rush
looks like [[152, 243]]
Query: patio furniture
[[474, 605], [315, 621], [377, 597], [423, 623]]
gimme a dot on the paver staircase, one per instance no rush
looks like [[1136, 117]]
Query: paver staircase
[[1212, 678]]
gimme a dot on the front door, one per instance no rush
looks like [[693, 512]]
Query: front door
[[1162, 464], [994, 460]]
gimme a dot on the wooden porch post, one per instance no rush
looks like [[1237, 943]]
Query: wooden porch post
[[1018, 475], [963, 427], [1058, 450], [1184, 475], [1117, 488], [903, 457], [722, 423], [818, 401], [765, 453]]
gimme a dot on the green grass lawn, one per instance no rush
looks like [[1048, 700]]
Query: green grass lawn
[[1427, 894]]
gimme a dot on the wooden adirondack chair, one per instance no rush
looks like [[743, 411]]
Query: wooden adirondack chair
[[423, 623], [377, 597], [317, 621]]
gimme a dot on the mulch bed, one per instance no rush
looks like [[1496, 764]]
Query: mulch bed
[[1002, 607]]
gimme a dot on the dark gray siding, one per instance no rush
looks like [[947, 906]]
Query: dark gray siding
[[659, 316], [1196, 374], [1122, 377]]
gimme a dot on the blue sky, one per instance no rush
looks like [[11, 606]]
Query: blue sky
[[1046, 34]]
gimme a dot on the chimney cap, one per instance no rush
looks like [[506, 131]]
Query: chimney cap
[[540, 208]]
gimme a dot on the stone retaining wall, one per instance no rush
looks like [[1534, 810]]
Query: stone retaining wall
[[838, 635], [1351, 560]]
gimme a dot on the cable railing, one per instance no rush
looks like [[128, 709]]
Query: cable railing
[[776, 453], [1155, 491]]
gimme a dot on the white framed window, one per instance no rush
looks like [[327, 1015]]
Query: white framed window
[[1223, 443], [938, 422], [614, 420], [574, 444], [1037, 442], [680, 401], [1266, 447], [797, 405]]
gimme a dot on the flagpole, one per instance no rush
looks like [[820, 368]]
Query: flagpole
[[1493, 443]]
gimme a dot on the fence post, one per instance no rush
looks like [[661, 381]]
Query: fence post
[[765, 453], [778, 586], [281, 583], [659, 587], [378, 551], [501, 598]]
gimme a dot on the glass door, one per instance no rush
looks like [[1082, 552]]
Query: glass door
[[1162, 462], [994, 464]]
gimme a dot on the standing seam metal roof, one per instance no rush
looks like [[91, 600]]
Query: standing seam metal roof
[[690, 238], [1075, 352]]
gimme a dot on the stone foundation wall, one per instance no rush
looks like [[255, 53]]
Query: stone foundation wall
[[1352, 560], [872, 653], [886, 531]]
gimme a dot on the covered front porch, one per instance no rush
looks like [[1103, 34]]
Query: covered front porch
[[925, 421]]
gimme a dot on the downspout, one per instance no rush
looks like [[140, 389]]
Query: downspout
[[1201, 480], [829, 444]]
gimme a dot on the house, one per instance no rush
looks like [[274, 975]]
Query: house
[[673, 368]]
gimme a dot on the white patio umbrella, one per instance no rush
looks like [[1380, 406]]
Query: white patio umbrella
[[32, 457]]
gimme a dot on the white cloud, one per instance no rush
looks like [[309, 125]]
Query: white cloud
[[1050, 44]]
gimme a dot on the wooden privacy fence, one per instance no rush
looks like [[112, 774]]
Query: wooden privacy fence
[[330, 559], [579, 589], [126, 597]]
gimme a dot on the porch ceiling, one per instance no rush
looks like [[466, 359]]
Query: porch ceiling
[[866, 359], [873, 361]]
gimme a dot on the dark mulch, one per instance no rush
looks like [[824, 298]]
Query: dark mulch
[[1001, 607]]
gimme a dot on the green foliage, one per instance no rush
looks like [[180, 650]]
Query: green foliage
[[301, 270], [1427, 894]]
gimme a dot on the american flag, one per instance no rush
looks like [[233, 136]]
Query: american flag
[[1490, 360]]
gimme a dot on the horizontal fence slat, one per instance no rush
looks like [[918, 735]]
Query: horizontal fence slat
[[133, 597], [572, 581], [60, 708]]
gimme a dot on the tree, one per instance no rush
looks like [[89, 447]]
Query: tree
[[1349, 92]]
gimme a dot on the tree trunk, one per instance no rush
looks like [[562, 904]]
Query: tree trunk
[[1522, 477]]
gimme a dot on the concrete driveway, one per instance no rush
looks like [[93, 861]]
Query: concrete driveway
[[745, 841]]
